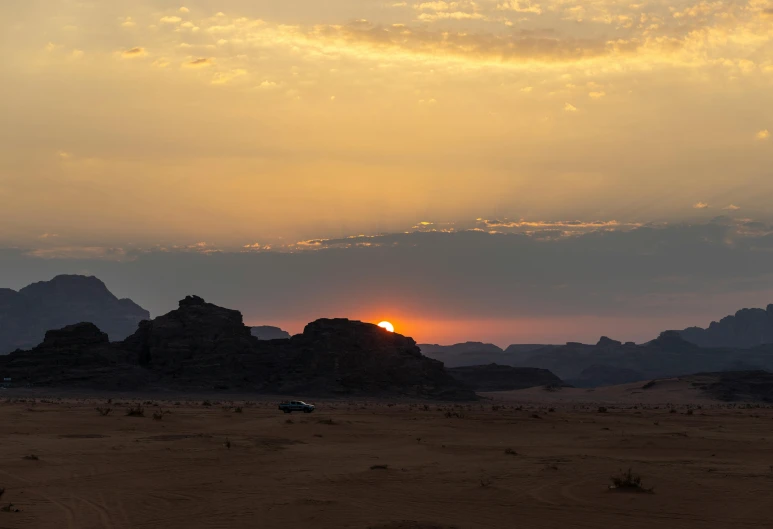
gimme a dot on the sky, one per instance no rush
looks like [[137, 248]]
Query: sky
[[498, 170]]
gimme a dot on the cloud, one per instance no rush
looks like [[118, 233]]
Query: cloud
[[520, 6], [732, 207], [134, 53], [227, 77], [170, 20], [700, 205], [763, 134], [199, 63], [568, 107], [184, 10], [597, 95], [128, 23]]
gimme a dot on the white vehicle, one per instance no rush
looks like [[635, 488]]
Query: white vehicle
[[296, 405]]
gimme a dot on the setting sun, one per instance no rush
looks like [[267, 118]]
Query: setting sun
[[386, 325]]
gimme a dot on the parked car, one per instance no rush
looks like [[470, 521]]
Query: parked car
[[296, 405]]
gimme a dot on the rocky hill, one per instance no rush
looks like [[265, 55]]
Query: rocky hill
[[267, 332], [494, 377], [747, 328], [735, 385], [26, 315], [201, 346]]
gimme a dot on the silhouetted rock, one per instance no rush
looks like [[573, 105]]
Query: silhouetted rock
[[267, 332], [747, 328], [608, 342], [200, 345], [76, 356], [494, 377], [352, 357], [461, 348], [25, 316]]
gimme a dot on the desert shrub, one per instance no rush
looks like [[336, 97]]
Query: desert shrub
[[485, 482], [157, 416], [602, 409], [206, 403], [104, 412], [628, 481], [327, 421], [238, 409], [689, 412], [551, 410], [510, 452], [9, 508], [136, 411], [649, 384], [2, 491], [289, 421], [379, 467], [535, 416], [496, 407], [31, 457], [672, 410]]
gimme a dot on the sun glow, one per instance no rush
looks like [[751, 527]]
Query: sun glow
[[387, 326]]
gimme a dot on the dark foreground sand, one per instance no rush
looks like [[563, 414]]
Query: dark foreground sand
[[709, 469]]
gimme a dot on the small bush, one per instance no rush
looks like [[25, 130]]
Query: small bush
[[137, 411], [689, 412], [379, 467], [104, 412], [329, 422], [206, 403], [510, 452], [157, 416], [628, 481], [31, 457], [238, 409], [602, 409], [9, 508]]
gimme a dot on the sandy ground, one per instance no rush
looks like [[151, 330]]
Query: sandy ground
[[709, 469]]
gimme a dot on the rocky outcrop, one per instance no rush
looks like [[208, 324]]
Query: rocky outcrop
[[76, 356], [351, 357], [25, 316], [200, 346], [267, 332], [747, 328], [494, 377]]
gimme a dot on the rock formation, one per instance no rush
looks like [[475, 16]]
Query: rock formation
[[267, 332], [747, 328], [494, 377], [25, 316], [201, 346], [350, 357]]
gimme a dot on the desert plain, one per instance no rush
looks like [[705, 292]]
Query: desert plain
[[532, 458]]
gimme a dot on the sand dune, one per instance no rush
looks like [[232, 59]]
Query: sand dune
[[445, 465]]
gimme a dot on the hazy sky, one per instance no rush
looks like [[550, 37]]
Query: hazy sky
[[156, 131]]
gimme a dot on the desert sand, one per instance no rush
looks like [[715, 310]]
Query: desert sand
[[385, 464]]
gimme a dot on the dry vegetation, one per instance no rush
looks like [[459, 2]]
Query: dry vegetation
[[383, 464]]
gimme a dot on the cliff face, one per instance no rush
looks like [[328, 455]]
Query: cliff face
[[25, 316], [747, 328]]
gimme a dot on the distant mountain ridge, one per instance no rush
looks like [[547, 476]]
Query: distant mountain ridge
[[746, 328], [26, 315], [268, 332]]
